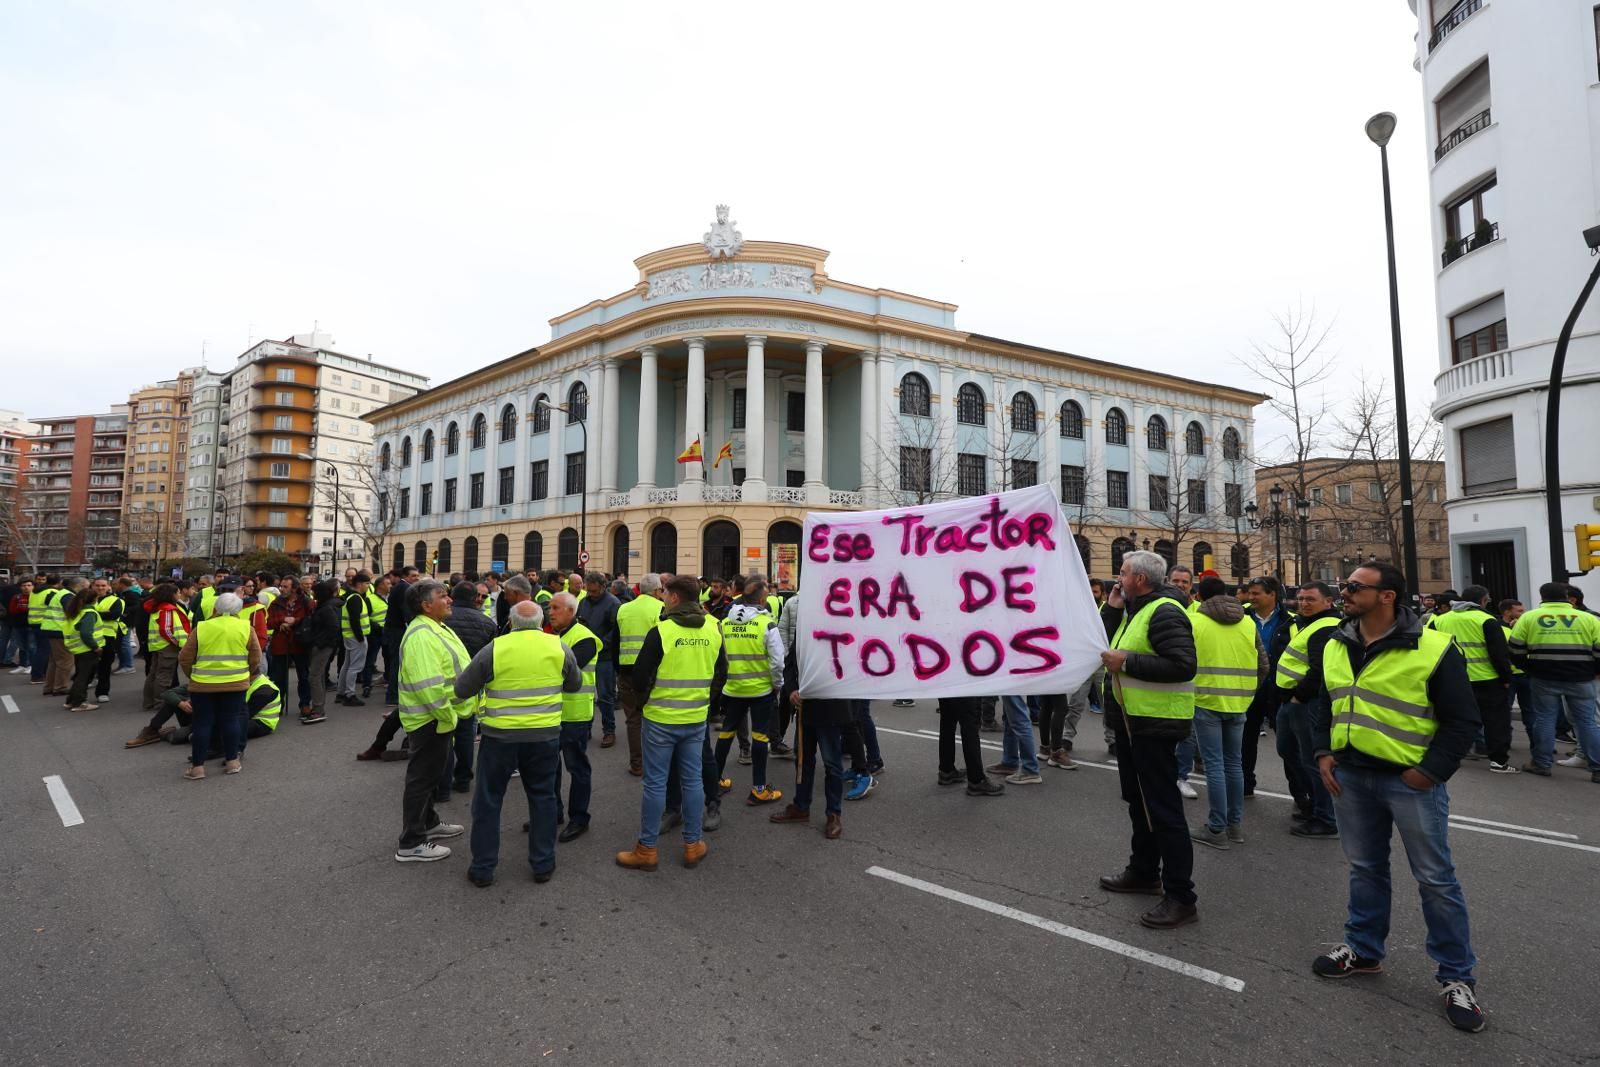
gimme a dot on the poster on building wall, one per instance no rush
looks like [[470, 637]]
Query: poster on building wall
[[983, 596], [785, 565]]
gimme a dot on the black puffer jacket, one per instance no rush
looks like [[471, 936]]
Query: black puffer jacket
[[1173, 660], [471, 625]]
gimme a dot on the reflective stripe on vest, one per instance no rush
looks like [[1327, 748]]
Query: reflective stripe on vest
[[746, 644], [579, 706], [1295, 661], [1466, 627], [267, 716], [344, 613], [682, 690], [775, 604], [1153, 700], [1557, 634], [75, 643], [1386, 712], [54, 621], [377, 611], [1225, 680], [635, 619], [107, 627], [155, 642], [525, 692], [222, 652], [431, 657], [37, 608]]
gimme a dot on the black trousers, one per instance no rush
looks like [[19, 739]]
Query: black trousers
[[108, 663], [429, 750], [1253, 719], [1494, 707], [84, 665], [1148, 770], [961, 712], [387, 729]]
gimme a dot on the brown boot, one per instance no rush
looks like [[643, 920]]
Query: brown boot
[[373, 753], [834, 829], [636, 769], [146, 736], [790, 813], [638, 858], [694, 853]]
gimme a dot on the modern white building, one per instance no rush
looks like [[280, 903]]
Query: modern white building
[[1511, 95], [822, 394], [200, 486]]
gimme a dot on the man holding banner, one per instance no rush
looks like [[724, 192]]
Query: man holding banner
[[1149, 702]]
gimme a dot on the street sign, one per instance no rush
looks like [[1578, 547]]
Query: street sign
[[498, 566], [583, 557]]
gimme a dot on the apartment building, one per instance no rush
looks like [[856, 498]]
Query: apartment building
[[153, 493], [16, 434], [72, 489]]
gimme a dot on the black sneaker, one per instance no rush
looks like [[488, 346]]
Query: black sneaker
[[988, 787], [1566, 739], [952, 777], [779, 750], [1461, 1007], [355, 702], [1342, 962], [1315, 828]]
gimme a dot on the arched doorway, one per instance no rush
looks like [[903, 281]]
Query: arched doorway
[[783, 554], [419, 559], [500, 553], [1241, 561], [399, 557], [1167, 551], [443, 555], [567, 549], [532, 552], [1085, 551], [619, 551], [469, 557], [1119, 548], [719, 550], [664, 548], [1202, 557]]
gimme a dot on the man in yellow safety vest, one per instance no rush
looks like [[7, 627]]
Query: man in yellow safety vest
[[635, 619], [1482, 641]]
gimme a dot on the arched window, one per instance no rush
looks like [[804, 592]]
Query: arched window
[[1167, 551], [664, 548], [405, 452], [577, 403], [567, 549], [443, 556], [1194, 439], [1241, 561], [1202, 549], [1119, 548], [1116, 427], [1085, 551], [914, 395], [783, 532], [384, 456], [480, 431], [619, 550], [399, 557], [452, 439], [540, 420], [1024, 413], [1155, 432], [720, 550], [427, 447], [532, 551], [419, 556], [1231, 448], [969, 405], [500, 553], [508, 423], [469, 557], [1072, 420]]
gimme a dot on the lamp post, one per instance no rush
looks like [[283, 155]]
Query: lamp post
[[1275, 521], [1302, 508], [1380, 128], [583, 483], [1552, 423]]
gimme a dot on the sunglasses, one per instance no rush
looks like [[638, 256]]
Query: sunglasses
[[1359, 587]]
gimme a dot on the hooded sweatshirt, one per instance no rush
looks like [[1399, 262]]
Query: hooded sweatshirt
[[690, 615], [741, 611], [1228, 611]]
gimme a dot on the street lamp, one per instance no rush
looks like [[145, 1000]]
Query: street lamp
[[1380, 128], [333, 470], [583, 483], [1275, 520], [1302, 508], [1552, 422]]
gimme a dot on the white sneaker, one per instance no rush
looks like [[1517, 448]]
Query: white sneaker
[[102, 700], [21, 670], [446, 829], [1186, 789], [1577, 759], [123, 670], [427, 852]]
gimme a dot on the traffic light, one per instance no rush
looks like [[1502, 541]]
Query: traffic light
[[1588, 538]]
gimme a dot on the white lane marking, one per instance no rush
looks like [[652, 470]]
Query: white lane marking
[[1460, 822], [65, 807], [1188, 970], [11, 705]]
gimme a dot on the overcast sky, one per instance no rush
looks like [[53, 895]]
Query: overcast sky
[[1144, 183]]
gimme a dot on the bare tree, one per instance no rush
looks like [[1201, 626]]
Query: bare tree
[[368, 505], [1295, 368], [920, 462], [32, 539], [1367, 442]]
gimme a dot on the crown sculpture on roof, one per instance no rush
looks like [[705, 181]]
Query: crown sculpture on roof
[[722, 241]]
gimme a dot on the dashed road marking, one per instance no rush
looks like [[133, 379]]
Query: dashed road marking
[[65, 806], [10, 703]]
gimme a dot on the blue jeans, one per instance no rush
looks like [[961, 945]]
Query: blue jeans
[[223, 712], [1580, 699], [1372, 805], [605, 693], [1294, 743], [575, 756], [830, 741], [125, 652], [18, 635], [41, 654], [1018, 747], [538, 761], [669, 746], [1221, 739], [1522, 686], [862, 710]]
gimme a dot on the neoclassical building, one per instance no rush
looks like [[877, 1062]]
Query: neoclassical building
[[819, 395]]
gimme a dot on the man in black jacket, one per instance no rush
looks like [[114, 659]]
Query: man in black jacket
[[394, 628], [598, 611], [476, 630], [1396, 719], [1151, 660]]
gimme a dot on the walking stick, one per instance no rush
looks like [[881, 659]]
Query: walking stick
[[1127, 724]]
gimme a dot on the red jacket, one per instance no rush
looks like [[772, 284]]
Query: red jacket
[[169, 622], [288, 640]]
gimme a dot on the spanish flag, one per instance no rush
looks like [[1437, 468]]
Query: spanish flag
[[692, 454], [724, 453]]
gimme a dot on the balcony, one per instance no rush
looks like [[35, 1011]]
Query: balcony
[[1515, 370], [1475, 124], [1456, 16], [1487, 233]]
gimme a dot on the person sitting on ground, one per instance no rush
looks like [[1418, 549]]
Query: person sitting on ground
[[263, 705]]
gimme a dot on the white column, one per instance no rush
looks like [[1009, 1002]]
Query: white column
[[755, 410], [520, 476], [647, 419], [1050, 430], [463, 468], [694, 410], [721, 400], [813, 419], [610, 423], [943, 459], [869, 426], [777, 441], [591, 462], [888, 423], [558, 448], [1094, 467]]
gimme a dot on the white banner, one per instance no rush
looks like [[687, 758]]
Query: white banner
[[984, 596]]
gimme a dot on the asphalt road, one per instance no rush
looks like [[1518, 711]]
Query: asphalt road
[[262, 919]]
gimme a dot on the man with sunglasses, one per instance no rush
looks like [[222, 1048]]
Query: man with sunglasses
[[1299, 693], [1396, 719]]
